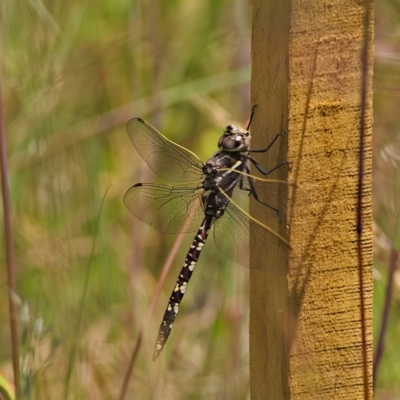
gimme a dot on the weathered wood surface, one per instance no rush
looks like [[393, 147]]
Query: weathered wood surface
[[305, 335]]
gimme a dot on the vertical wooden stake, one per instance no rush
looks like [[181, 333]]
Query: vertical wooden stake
[[305, 328]]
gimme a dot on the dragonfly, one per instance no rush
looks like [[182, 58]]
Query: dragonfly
[[214, 194]]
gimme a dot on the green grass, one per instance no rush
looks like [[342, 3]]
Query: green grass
[[73, 74]]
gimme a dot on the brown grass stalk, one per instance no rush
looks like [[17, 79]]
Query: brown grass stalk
[[11, 268], [145, 322]]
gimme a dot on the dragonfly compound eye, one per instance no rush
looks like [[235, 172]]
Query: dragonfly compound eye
[[230, 143]]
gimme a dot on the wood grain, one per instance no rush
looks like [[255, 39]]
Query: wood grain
[[305, 336]]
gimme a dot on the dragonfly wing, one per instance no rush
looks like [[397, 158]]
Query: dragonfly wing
[[237, 233], [165, 158], [271, 192], [278, 196], [169, 209]]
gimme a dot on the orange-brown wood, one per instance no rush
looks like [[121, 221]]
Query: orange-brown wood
[[305, 329]]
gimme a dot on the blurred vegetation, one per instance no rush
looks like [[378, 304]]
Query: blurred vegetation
[[73, 74], [386, 188]]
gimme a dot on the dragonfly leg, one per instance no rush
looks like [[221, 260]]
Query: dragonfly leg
[[261, 169], [251, 116], [269, 146], [252, 191]]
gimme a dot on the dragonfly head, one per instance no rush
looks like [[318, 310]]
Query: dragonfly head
[[234, 139]]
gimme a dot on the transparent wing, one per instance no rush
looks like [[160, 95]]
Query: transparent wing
[[271, 192], [165, 158], [236, 232], [169, 209]]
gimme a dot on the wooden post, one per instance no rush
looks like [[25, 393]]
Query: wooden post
[[305, 326]]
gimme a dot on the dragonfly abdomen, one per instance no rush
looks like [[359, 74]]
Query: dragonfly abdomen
[[181, 285]]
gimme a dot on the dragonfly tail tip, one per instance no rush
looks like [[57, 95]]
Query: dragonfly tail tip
[[156, 354]]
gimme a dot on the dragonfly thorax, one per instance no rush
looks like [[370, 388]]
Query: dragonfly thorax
[[212, 179], [234, 139], [220, 171]]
